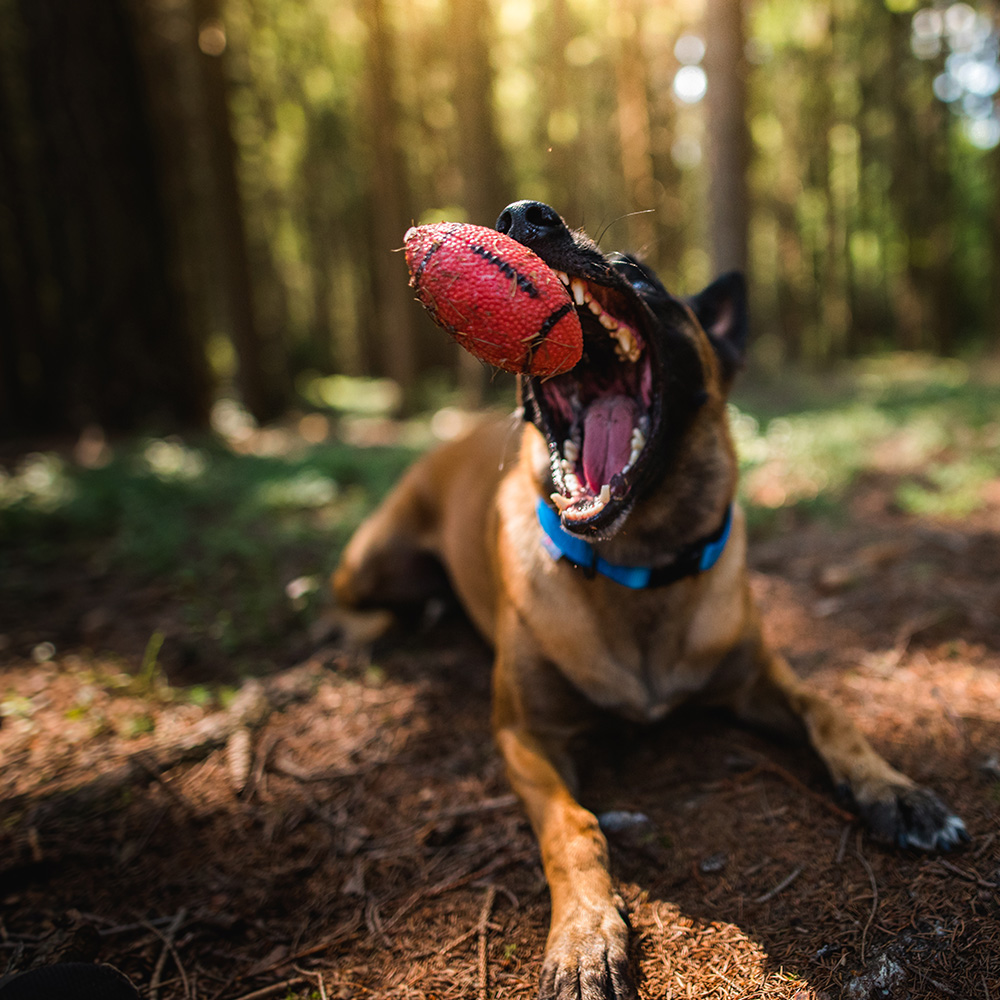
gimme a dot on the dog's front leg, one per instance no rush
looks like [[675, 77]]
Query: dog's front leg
[[892, 805], [536, 713]]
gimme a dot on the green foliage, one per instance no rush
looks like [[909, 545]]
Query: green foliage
[[223, 533], [240, 545], [926, 426], [872, 219], [149, 669]]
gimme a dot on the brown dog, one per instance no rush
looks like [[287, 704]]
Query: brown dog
[[601, 552]]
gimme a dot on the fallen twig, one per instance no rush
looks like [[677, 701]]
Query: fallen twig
[[987, 842], [780, 887], [871, 878], [768, 766], [842, 847], [473, 809], [455, 883], [266, 991], [320, 984], [352, 927], [167, 937], [251, 707], [484, 917], [969, 877]]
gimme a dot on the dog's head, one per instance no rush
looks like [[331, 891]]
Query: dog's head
[[653, 380]]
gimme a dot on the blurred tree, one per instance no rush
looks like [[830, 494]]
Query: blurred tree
[[559, 108], [728, 139], [993, 309], [261, 372], [92, 327], [230, 178], [480, 157], [634, 128], [922, 195], [388, 206]]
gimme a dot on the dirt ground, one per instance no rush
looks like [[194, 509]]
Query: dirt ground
[[342, 828]]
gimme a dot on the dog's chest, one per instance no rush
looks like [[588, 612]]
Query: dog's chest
[[636, 659], [638, 653], [639, 657]]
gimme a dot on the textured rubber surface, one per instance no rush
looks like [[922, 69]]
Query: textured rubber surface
[[496, 297]]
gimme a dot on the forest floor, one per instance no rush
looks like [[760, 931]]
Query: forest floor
[[285, 817]]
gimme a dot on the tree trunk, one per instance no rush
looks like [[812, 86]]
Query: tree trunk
[[485, 187], [561, 167], [728, 138], [923, 299], [634, 132], [261, 376], [100, 334], [393, 307]]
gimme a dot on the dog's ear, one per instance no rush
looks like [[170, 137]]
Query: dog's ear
[[721, 309]]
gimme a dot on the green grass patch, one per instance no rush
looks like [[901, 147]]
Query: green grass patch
[[242, 543], [930, 428]]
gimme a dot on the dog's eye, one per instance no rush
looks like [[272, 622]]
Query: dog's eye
[[636, 275], [647, 287]]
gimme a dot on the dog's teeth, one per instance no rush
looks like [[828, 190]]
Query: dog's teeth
[[563, 277], [636, 443], [608, 321], [605, 495], [579, 290], [560, 501], [627, 342], [571, 451], [595, 307], [572, 483]]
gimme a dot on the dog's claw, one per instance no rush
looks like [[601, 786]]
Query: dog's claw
[[589, 961], [914, 818]]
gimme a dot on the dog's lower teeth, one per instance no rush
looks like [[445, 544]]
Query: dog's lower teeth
[[560, 501], [571, 451]]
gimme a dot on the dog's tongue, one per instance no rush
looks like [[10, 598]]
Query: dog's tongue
[[607, 435]]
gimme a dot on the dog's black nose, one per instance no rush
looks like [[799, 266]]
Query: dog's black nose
[[531, 223]]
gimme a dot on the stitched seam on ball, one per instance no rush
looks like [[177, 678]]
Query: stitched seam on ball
[[508, 270], [543, 331], [435, 246]]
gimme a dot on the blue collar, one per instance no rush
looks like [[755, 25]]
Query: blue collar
[[688, 561]]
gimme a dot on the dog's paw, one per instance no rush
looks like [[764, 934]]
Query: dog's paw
[[913, 817], [587, 958]]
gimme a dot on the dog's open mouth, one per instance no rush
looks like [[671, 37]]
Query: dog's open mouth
[[600, 417]]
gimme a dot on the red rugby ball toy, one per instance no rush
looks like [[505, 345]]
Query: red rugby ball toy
[[496, 297]]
